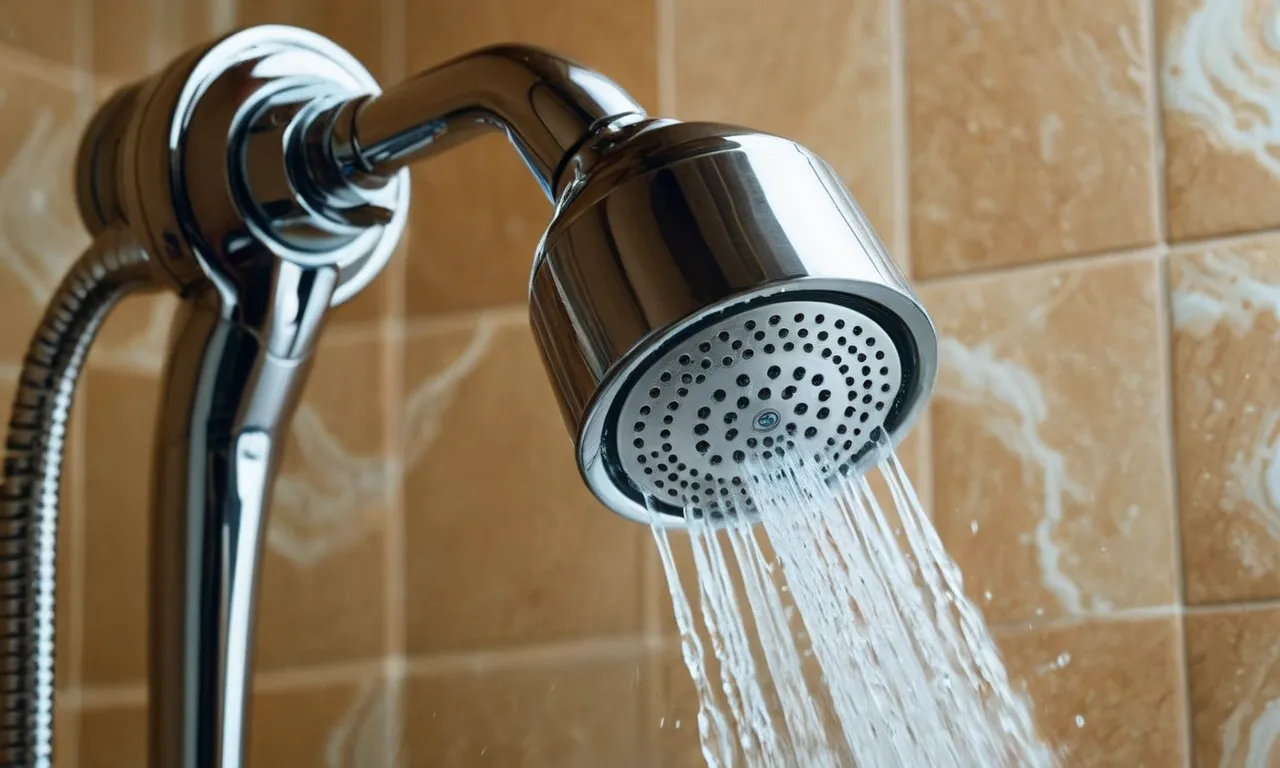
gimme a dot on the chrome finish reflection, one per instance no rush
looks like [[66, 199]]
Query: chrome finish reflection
[[545, 104], [680, 223], [267, 176], [203, 163], [230, 391]]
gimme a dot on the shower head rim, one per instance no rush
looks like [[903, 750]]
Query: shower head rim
[[590, 444], [656, 144]]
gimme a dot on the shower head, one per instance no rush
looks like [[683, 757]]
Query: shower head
[[707, 296]]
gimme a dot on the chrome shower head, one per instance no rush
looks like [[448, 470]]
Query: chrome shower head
[[708, 295]]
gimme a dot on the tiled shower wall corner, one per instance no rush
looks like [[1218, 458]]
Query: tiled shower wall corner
[[1085, 193]]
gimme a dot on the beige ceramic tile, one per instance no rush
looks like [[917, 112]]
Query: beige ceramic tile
[[1029, 131], [814, 71], [494, 501], [47, 29], [577, 712], [66, 735], [329, 725], [1049, 435], [133, 39], [323, 597], [1218, 69], [1106, 693], [477, 212], [1234, 666], [119, 415], [113, 737], [42, 235], [1228, 418]]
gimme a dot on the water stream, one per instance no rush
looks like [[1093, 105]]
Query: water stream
[[835, 632]]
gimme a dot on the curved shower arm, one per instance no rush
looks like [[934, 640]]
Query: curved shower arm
[[546, 104]]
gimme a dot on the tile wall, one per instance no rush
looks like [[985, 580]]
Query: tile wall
[[1084, 191]]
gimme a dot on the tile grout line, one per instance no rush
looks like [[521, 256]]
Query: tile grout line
[[1073, 620], [517, 658], [222, 16], [395, 586], [158, 29], [364, 331], [446, 663], [650, 568], [76, 449], [1160, 202], [1102, 258], [1221, 241], [1139, 613], [1234, 606], [285, 678], [464, 319], [269, 681], [900, 152], [665, 11], [1170, 449], [1072, 261]]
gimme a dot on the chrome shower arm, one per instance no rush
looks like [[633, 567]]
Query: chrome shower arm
[[546, 104]]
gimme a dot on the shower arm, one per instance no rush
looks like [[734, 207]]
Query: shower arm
[[267, 176], [546, 105]]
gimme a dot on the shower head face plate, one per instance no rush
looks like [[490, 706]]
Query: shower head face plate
[[810, 376]]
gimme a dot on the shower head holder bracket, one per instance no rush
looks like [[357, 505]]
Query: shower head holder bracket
[[208, 163]]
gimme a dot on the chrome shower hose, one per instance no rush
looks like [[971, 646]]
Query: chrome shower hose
[[111, 268]]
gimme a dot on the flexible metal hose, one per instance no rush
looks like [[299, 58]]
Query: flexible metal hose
[[112, 267]]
